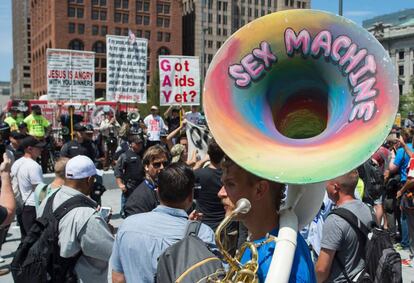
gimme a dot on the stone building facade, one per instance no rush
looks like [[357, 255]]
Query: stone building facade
[[395, 32], [84, 24]]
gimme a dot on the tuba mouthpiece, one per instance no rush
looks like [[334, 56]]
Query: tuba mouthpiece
[[243, 206]]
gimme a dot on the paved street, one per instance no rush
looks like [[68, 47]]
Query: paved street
[[112, 198]]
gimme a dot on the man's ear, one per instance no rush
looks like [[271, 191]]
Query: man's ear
[[262, 187]]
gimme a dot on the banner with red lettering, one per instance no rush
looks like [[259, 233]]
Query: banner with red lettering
[[179, 80], [70, 75]]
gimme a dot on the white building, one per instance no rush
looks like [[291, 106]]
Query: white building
[[396, 33]]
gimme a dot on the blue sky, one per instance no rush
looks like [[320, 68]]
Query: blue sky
[[356, 10]]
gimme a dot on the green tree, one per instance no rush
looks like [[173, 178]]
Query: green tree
[[406, 104]]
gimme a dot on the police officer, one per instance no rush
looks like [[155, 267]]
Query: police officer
[[129, 171], [82, 144]]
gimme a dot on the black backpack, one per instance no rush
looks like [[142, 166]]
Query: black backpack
[[382, 261], [189, 260], [373, 181], [37, 259]]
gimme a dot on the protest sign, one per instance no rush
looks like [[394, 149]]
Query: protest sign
[[70, 75], [198, 138], [126, 69], [179, 80]]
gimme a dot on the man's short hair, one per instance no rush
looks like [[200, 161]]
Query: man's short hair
[[348, 181], [215, 152], [60, 166], [408, 135], [175, 183], [276, 189], [152, 153], [135, 139]]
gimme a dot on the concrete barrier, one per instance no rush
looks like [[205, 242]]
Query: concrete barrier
[[108, 179]]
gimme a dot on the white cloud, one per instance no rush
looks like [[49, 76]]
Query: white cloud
[[358, 13]]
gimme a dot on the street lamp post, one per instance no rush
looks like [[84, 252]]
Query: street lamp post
[[340, 7]]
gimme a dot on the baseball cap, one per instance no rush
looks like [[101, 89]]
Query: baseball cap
[[80, 167], [79, 128], [17, 135], [89, 128], [176, 152], [31, 141], [153, 107]]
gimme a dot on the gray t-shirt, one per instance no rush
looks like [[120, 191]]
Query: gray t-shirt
[[338, 235], [83, 228]]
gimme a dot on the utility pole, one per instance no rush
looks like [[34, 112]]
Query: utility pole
[[340, 7]]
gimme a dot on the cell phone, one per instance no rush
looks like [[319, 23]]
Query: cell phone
[[105, 212]]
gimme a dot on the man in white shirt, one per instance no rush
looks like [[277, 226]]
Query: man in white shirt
[[194, 116], [154, 124], [26, 175]]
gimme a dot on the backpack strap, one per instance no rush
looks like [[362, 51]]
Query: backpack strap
[[79, 200], [192, 228], [358, 226], [353, 220]]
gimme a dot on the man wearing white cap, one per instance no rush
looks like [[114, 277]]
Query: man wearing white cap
[[83, 229], [154, 124]]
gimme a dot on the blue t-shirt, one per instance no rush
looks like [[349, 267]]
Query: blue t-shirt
[[401, 160], [302, 267]]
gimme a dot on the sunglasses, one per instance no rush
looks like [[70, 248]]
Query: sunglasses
[[157, 165]]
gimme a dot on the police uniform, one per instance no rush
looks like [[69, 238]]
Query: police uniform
[[74, 148], [130, 169]]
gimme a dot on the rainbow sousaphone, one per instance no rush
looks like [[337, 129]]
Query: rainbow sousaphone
[[300, 97]]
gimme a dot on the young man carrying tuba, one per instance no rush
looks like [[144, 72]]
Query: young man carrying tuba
[[262, 219]]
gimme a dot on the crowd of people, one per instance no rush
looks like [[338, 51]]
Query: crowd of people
[[164, 189]]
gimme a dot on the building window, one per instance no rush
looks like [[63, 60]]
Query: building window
[[95, 30], [224, 20], [71, 28], [160, 22], [401, 70], [103, 63], [401, 55], [303, 5], [76, 44], [146, 20], [146, 6], [286, 2], [269, 3], [225, 6], [139, 33], [96, 77], [159, 36], [210, 18], [163, 8], [118, 31], [71, 12], [210, 4], [125, 18], [125, 4], [81, 28], [138, 20], [79, 13], [125, 31], [292, 2], [117, 17], [225, 32], [250, 12], [167, 36], [99, 47], [210, 44], [103, 77], [163, 51], [148, 34], [95, 14], [256, 13], [95, 2], [218, 44], [104, 30], [117, 4], [103, 16], [219, 5], [400, 88]]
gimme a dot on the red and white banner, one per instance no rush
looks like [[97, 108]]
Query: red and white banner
[[70, 75], [179, 80]]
